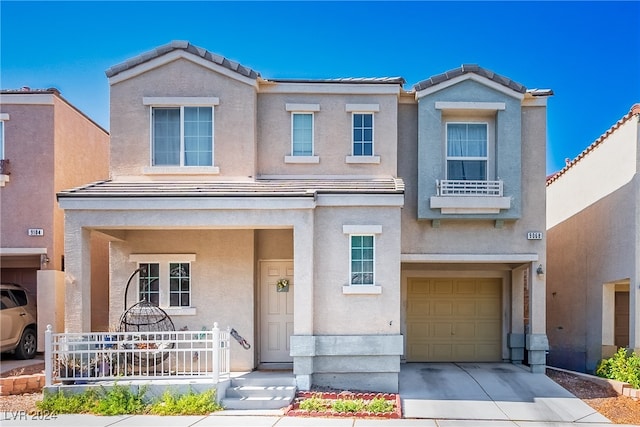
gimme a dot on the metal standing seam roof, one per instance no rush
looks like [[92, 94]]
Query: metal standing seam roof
[[257, 188], [465, 69], [634, 111]]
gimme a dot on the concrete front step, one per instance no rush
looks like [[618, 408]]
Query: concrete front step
[[259, 393]]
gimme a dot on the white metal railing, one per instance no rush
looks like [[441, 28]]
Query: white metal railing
[[448, 187], [99, 356]]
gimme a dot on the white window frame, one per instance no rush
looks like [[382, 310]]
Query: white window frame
[[163, 261], [366, 231], [181, 102], [487, 158], [370, 109], [295, 109], [4, 178]]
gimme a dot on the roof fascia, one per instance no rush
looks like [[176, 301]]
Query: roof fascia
[[174, 56], [469, 76], [331, 88], [26, 98]]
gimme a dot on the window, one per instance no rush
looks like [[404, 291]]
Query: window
[[182, 136], [467, 151], [302, 134], [166, 280], [362, 134], [362, 260]]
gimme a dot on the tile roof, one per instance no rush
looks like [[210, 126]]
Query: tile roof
[[257, 188], [188, 47], [634, 111], [465, 69]]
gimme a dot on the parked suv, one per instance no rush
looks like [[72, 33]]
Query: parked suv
[[17, 321]]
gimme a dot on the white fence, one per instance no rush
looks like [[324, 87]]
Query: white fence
[[102, 356], [447, 187]]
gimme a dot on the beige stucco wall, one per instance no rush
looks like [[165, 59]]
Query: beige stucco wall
[[222, 279], [336, 313], [332, 134], [234, 118], [592, 243]]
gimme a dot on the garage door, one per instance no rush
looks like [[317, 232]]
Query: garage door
[[454, 320]]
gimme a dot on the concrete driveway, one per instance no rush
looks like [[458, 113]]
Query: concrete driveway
[[488, 391]]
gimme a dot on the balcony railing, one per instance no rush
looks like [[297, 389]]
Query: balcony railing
[[5, 167], [99, 356], [447, 187]]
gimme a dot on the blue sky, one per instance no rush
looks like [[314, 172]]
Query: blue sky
[[587, 52]]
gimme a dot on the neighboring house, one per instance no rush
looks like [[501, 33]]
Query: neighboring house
[[46, 145], [593, 238], [400, 218]]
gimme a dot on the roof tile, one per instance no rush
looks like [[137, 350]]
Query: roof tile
[[465, 69]]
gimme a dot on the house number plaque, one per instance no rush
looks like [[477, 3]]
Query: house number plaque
[[534, 235], [35, 232]]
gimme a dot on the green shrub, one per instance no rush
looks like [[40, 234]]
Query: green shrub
[[72, 403], [314, 404], [621, 367], [120, 400], [380, 405], [348, 405], [186, 404]]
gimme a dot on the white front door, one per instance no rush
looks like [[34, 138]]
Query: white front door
[[276, 310]]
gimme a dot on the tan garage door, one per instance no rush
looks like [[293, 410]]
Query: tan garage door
[[454, 320]]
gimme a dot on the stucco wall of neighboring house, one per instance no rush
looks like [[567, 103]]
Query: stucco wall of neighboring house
[[234, 119], [592, 240], [27, 200], [222, 278], [333, 131]]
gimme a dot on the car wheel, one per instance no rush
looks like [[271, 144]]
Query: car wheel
[[27, 346]]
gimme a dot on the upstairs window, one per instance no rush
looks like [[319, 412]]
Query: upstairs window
[[302, 134], [182, 136], [467, 151], [362, 134]]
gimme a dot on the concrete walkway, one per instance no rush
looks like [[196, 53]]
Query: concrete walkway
[[433, 395]]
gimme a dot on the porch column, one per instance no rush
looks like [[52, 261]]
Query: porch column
[[634, 313], [302, 341], [77, 316], [516, 337], [536, 339]]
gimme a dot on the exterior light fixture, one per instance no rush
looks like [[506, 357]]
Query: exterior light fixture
[[540, 270]]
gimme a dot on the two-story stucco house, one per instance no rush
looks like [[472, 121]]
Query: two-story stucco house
[[356, 191], [46, 145], [593, 211]]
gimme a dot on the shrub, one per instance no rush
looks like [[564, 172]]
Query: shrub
[[379, 405], [61, 403], [314, 404], [120, 400], [186, 404], [348, 405], [621, 367]]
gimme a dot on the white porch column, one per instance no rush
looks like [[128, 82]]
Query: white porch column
[[77, 316], [537, 343], [303, 256], [302, 341], [634, 313]]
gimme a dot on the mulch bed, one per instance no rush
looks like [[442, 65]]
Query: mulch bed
[[294, 409]]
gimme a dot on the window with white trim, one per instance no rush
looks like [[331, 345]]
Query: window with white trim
[[182, 136], [362, 134], [362, 259], [165, 280], [467, 151], [302, 134]]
